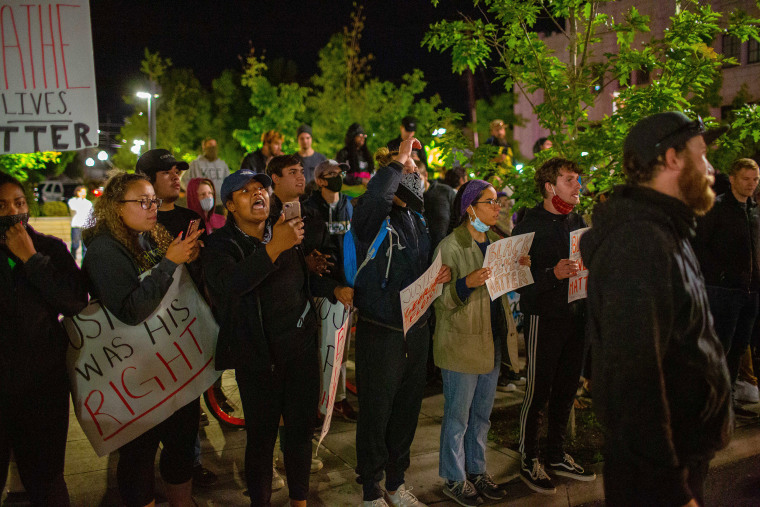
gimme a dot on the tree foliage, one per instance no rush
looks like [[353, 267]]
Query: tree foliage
[[35, 167], [682, 64]]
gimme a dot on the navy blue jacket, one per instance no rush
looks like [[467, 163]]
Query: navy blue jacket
[[378, 301]]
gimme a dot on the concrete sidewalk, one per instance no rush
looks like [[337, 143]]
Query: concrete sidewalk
[[92, 480]]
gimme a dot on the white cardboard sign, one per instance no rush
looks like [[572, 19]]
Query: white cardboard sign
[[506, 272], [339, 341], [127, 379], [578, 288], [417, 298], [48, 100]]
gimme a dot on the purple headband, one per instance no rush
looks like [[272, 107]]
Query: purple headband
[[471, 192]]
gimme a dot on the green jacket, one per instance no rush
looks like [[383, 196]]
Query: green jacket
[[463, 340]]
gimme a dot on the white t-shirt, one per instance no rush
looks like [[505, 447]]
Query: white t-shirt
[[82, 209], [215, 171]]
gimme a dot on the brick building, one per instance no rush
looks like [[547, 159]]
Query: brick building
[[659, 11]]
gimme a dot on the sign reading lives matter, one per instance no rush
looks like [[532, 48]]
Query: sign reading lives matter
[[578, 288], [417, 298], [336, 325], [127, 379], [47, 91], [507, 274]]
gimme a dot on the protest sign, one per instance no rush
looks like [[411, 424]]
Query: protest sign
[[578, 284], [127, 379], [506, 272], [48, 100], [335, 358], [417, 298], [332, 317]]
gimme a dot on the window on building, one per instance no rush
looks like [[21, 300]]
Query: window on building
[[731, 47], [753, 55]]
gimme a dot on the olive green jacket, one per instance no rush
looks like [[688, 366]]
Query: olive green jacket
[[463, 340]]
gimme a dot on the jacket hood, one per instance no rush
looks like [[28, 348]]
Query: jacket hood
[[192, 196], [636, 203]]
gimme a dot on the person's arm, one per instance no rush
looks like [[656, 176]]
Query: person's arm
[[227, 275], [114, 280], [376, 202], [632, 305], [58, 279], [704, 246]]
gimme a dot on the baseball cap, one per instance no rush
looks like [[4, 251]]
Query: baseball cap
[[327, 164], [239, 179], [496, 123], [153, 161], [409, 123], [653, 135]]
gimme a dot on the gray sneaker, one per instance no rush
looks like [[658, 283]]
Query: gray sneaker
[[485, 485], [463, 493]]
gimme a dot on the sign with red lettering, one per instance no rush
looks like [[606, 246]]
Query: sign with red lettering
[[507, 274], [332, 317], [127, 379], [577, 288], [417, 298], [339, 340], [47, 89]]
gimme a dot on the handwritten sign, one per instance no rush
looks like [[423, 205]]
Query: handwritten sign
[[506, 272], [47, 91], [335, 358], [332, 317], [417, 298], [578, 288], [127, 379]]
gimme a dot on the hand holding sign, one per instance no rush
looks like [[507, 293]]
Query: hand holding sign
[[565, 268], [417, 297], [577, 284], [444, 275], [477, 278]]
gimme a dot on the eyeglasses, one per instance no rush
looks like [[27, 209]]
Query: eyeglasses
[[146, 203], [492, 202], [326, 176], [695, 127]]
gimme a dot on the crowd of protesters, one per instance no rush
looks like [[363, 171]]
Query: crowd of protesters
[[671, 315]]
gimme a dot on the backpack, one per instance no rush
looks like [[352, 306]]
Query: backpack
[[349, 251]]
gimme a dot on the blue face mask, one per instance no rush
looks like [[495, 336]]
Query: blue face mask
[[477, 223], [207, 204]]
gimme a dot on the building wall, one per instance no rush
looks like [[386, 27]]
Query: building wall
[[660, 12]]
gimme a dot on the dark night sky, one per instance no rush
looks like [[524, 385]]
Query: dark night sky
[[208, 37]]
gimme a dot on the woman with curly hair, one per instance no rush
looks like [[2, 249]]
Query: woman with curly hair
[[125, 241], [38, 282]]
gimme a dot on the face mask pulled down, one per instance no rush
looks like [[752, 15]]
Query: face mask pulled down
[[560, 205], [478, 224], [8, 221]]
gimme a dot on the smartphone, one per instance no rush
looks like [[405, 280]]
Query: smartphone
[[192, 228], [291, 210]]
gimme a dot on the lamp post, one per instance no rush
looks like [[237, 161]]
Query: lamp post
[[151, 117]]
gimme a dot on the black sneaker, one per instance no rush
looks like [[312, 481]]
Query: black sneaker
[[532, 473], [485, 485], [203, 477], [567, 467], [513, 376], [463, 493]]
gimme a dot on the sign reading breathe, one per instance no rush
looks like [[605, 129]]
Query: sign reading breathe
[[47, 89], [127, 379]]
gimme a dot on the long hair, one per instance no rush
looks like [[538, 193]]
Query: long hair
[[105, 219], [353, 154]]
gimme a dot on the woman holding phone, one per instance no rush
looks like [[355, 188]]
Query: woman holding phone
[[38, 282], [125, 241]]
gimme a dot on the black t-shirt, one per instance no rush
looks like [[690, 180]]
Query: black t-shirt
[[177, 220]]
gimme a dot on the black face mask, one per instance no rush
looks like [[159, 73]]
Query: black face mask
[[334, 184], [8, 221]]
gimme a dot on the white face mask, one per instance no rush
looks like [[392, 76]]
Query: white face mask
[[207, 204]]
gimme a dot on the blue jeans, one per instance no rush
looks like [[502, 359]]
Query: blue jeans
[[468, 400], [734, 312], [76, 242]]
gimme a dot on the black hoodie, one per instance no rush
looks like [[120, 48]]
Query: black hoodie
[[661, 384]]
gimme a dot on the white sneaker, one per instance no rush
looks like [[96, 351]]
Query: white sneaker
[[277, 481], [316, 465], [404, 498], [380, 502], [744, 391]]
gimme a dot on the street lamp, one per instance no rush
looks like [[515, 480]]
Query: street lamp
[[151, 117], [102, 155]]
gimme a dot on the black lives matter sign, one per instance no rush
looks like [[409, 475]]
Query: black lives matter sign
[[47, 87]]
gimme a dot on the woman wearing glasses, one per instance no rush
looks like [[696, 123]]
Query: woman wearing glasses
[[124, 242], [470, 329]]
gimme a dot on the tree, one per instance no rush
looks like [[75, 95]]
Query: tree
[[683, 65], [35, 167]]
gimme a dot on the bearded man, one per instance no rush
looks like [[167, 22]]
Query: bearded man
[[661, 384]]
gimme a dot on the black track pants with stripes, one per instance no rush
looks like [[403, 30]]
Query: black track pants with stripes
[[555, 359]]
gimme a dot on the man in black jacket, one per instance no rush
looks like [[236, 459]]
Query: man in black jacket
[[726, 246], [554, 335], [261, 291], [661, 385], [390, 366], [406, 130]]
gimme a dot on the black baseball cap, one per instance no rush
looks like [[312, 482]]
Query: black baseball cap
[[409, 123], [239, 179], [153, 161], [653, 135]]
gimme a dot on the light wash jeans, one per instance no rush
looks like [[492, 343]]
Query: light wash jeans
[[468, 400]]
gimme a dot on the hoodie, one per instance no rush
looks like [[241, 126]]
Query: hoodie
[[211, 220], [661, 387]]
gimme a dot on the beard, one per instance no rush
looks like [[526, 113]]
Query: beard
[[695, 188]]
